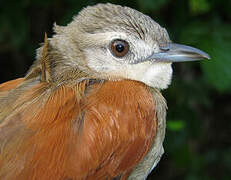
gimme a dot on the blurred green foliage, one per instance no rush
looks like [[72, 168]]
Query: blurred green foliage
[[198, 139]]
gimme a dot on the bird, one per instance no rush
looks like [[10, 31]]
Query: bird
[[90, 107]]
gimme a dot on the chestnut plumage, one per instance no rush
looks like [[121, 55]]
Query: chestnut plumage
[[90, 106]]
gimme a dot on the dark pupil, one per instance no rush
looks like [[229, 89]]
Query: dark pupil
[[120, 48]]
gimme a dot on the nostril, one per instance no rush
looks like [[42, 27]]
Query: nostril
[[164, 47]]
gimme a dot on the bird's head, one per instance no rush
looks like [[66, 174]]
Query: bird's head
[[112, 42]]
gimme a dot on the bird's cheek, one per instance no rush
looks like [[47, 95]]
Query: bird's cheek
[[96, 59]]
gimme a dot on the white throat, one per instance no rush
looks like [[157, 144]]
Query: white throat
[[157, 75]]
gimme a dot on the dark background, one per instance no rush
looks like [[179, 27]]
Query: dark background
[[198, 140]]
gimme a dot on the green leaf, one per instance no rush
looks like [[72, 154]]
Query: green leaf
[[199, 6], [175, 125], [148, 5], [218, 70], [215, 39]]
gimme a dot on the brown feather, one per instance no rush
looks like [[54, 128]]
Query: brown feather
[[48, 139], [119, 127], [10, 84], [65, 120], [45, 62], [41, 141]]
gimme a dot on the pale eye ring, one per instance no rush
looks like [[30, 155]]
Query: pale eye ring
[[119, 48]]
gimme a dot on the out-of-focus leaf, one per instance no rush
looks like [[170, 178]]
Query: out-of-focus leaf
[[216, 40], [218, 70], [42, 2], [148, 5], [175, 125], [199, 6], [227, 157], [74, 8], [182, 156], [14, 26]]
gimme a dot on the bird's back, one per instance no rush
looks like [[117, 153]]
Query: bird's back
[[75, 131]]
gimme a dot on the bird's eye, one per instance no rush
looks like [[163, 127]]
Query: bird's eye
[[119, 48]]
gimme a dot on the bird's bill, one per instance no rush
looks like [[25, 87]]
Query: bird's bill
[[173, 52]]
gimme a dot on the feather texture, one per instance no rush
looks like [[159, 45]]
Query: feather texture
[[75, 116], [77, 131]]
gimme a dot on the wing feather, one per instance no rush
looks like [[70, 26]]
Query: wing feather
[[36, 131], [67, 132]]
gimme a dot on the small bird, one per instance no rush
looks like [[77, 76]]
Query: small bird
[[90, 106]]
